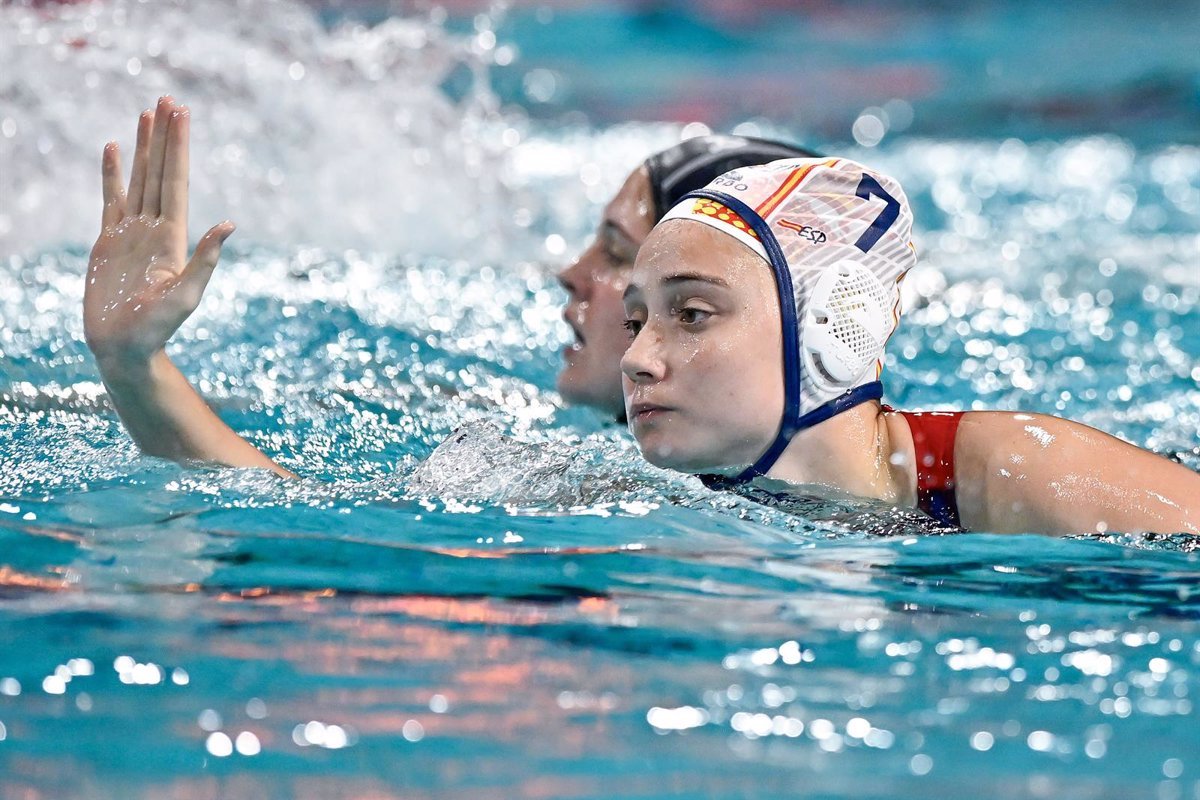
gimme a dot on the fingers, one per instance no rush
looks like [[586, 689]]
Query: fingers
[[152, 198], [141, 156], [175, 167], [114, 193], [208, 251]]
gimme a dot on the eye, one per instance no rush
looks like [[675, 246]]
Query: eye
[[693, 316], [633, 326], [616, 259]]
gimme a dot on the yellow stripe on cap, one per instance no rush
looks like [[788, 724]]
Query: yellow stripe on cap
[[719, 216]]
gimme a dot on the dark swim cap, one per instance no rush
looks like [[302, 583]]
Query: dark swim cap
[[695, 162]]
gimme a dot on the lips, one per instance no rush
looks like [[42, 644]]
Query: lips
[[645, 411], [570, 319]]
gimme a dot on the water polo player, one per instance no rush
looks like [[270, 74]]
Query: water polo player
[[591, 373], [759, 309], [128, 318]]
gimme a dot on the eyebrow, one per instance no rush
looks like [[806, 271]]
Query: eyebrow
[[686, 277], [611, 226], [678, 278]]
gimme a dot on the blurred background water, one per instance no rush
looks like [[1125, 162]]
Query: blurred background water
[[477, 592]]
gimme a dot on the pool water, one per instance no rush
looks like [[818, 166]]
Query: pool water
[[477, 592]]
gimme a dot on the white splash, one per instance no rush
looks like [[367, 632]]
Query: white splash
[[340, 137]]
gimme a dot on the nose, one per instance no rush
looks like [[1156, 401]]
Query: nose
[[643, 360], [576, 278]]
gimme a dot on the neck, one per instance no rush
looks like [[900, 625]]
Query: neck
[[858, 451]]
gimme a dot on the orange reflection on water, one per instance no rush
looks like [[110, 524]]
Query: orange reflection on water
[[499, 683], [485, 611], [15, 579]]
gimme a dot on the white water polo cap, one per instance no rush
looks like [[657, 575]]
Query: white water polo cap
[[838, 238]]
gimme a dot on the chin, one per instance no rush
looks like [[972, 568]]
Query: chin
[[695, 454], [565, 385], [572, 382], [579, 389], [680, 459]]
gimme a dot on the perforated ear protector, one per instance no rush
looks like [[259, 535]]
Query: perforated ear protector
[[845, 325]]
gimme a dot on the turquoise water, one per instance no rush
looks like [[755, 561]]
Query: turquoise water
[[476, 592]]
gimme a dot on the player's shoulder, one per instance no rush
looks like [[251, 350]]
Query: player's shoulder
[[1013, 427]]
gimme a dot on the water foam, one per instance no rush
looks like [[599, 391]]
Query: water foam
[[300, 134]]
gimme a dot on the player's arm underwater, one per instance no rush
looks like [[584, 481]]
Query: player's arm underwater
[[1034, 472], [140, 288]]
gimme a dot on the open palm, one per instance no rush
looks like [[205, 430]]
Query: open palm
[[141, 285]]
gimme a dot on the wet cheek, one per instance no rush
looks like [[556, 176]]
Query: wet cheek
[[690, 354]]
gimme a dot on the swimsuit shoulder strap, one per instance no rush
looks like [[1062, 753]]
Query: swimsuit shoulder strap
[[933, 434]]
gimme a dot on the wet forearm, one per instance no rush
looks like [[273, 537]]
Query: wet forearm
[[167, 417]]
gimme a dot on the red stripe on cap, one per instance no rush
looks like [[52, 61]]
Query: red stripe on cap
[[789, 185]]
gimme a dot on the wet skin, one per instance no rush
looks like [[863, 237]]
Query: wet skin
[[591, 373], [141, 286], [703, 372]]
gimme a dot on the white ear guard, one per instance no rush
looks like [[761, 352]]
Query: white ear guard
[[846, 323]]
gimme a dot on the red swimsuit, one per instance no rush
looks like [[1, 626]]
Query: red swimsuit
[[933, 434]]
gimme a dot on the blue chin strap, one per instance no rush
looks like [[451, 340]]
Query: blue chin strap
[[793, 421]]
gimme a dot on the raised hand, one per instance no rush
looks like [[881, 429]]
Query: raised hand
[[141, 285], [140, 288]]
